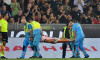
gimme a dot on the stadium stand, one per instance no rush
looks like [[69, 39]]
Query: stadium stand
[[52, 11]]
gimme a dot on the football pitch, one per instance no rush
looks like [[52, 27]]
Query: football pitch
[[56, 59]]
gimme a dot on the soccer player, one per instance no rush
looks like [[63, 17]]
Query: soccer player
[[27, 36], [36, 32], [3, 33], [78, 32]]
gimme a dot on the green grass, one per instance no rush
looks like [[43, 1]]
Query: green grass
[[57, 59]]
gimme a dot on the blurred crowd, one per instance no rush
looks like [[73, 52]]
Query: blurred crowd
[[52, 11]]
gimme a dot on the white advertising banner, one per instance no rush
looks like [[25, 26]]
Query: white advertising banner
[[14, 49]]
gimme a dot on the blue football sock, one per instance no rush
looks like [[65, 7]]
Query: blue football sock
[[76, 50], [78, 54], [85, 54], [23, 55], [37, 51], [24, 51]]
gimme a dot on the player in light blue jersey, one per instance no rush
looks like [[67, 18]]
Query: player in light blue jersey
[[36, 32], [27, 37], [79, 38]]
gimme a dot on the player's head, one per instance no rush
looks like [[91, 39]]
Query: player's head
[[23, 21], [71, 22], [5, 15], [30, 20]]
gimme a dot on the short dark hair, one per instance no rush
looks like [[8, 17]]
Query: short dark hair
[[3, 5], [4, 14], [75, 6]]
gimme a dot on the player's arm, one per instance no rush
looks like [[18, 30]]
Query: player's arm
[[31, 32], [74, 32], [74, 35]]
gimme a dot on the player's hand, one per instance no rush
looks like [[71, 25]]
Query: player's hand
[[31, 39]]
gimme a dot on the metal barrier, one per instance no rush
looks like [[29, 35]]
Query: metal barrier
[[54, 26]]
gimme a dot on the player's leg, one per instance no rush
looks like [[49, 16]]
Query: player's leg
[[71, 45], [64, 45], [78, 54], [36, 41], [83, 49], [25, 44], [76, 50], [32, 47], [3, 43]]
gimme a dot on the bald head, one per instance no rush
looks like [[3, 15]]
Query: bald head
[[23, 21]]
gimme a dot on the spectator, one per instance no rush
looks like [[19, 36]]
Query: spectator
[[1, 3], [80, 4], [87, 4], [57, 21], [98, 17], [90, 8], [7, 3], [67, 8], [95, 3], [37, 2], [48, 13], [25, 3], [76, 14], [52, 19], [86, 20], [90, 14], [42, 4], [21, 2], [95, 21], [71, 3], [44, 19], [5, 10], [54, 6], [17, 18], [69, 17], [45, 6], [97, 12], [61, 15], [31, 2], [28, 11], [99, 20], [36, 9], [53, 11], [14, 7], [11, 20]]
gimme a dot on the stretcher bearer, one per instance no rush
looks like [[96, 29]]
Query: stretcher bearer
[[78, 32], [36, 32], [3, 33], [67, 33], [27, 36]]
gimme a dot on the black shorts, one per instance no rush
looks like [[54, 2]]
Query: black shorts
[[5, 36]]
